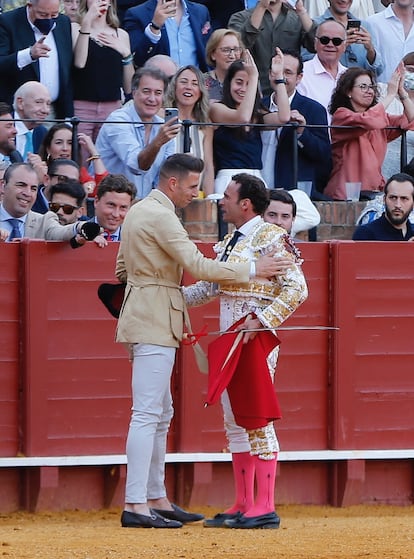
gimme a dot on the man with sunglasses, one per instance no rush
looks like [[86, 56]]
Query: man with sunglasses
[[18, 219], [66, 201], [361, 49], [321, 74], [60, 170]]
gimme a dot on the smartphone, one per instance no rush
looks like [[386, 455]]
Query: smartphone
[[354, 24], [292, 3], [170, 113]]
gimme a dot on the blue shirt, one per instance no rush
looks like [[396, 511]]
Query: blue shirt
[[381, 230], [120, 142], [181, 39], [5, 224]]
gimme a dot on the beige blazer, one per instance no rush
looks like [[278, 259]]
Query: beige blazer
[[154, 251], [46, 226]]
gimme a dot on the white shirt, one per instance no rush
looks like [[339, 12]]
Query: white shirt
[[48, 66], [388, 33], [317, 83]]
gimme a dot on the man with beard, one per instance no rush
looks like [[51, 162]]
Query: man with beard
[[394, 224]]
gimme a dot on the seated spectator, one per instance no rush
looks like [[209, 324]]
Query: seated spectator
[[394, 224], [135, 141], [392, 162], [269, 25], [35, 45], [66, 201], [31, 107], [59, 171], [238, 149], [320, 75], [8, 132], [361, 49], [57, 144], [16, 216], [358, 153], [224, 47], [114, 197], [103, 66], [313, 144], [291, 210], [188, 93], [174, 27]]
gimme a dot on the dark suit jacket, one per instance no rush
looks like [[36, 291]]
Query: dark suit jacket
[[137, 19], [39, 132], [314, 147], [15, 35], [40, 205]]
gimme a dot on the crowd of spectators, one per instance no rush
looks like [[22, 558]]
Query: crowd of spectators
[[254, 85]]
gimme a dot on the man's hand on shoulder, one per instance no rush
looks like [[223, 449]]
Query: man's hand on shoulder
[[269, 265]]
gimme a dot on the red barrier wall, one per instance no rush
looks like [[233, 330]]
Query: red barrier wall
[[65, 384]]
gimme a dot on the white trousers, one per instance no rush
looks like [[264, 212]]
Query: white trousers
[[152, 411]]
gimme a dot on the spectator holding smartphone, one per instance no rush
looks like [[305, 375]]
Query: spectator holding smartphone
[[180, 30], [361, 49]]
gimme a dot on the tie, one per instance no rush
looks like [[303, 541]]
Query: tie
[[29, 144], [15, 232], [230, 245], [108, 235]]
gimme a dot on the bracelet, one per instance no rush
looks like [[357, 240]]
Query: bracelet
[[84, 32], [282, 80], [93, 157], [155, 26], [127, 60], [404, 98]]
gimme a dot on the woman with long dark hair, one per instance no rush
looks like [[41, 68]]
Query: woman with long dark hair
[[237, 146]]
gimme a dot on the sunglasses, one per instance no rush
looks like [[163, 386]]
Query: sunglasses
[[68, 209], [336, 41]]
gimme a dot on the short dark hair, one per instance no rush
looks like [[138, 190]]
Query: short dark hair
[[254, 189], [280, 195], [398, 177], [294, 54], [150, 71], [5, 109], [56, 163], [181, 164], [70, 188], [116, 183], [13, 167]]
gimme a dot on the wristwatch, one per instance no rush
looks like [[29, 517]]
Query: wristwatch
[[282, 80]]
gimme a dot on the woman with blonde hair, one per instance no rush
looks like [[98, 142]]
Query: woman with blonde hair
[[103, 64], [187, 92], [223, 47]]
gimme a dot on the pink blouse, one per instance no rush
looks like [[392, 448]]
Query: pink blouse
[[358, 153]]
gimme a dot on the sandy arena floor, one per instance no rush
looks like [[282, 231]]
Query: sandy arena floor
[[380, 532]]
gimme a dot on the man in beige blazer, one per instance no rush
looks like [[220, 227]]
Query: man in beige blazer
[[154, 251], [16, 217]]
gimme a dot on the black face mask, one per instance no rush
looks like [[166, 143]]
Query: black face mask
[[45, 25]]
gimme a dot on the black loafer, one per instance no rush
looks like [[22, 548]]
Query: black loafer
[[269, 520], [179, 514], [135, 520], [218, 520]]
